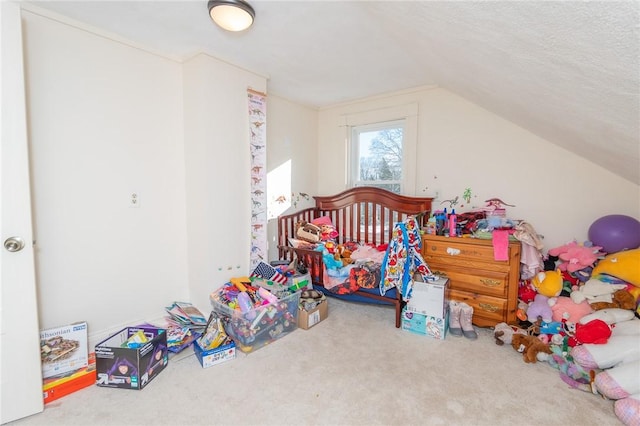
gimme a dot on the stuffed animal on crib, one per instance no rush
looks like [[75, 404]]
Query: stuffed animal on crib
[[308, 232], [343, 254], [327, 230]]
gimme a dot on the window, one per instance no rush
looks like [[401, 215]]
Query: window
[[392, 166], [377, 152]]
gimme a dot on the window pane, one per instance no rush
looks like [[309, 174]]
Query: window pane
[[379, 156]]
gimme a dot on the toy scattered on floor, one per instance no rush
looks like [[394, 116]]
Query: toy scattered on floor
[[532, 349], [503, 333], [592, 296], [620, 361], [615, 233]]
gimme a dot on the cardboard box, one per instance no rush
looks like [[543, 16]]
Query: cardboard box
[[435, 327], [429, 298], [260, 326], [64, 349], [131, 368], [307, 319], [214, 356], [56, 387]]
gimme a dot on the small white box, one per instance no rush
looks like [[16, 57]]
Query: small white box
[[429, 298], [210, 357]]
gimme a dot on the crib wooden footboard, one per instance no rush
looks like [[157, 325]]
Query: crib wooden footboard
[[365, 215]]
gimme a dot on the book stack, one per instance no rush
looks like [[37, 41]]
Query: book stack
[[184, 324]]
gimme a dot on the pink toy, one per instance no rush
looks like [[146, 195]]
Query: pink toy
[[575, 257], [565, 308]]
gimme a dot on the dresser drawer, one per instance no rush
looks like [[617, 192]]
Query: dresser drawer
[[487, 310], [458, 249], [475, 281], [448, 262]]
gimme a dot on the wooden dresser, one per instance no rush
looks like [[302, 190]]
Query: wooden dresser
[[475, 277]]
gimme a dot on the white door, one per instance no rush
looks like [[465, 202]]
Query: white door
[[20, 371]]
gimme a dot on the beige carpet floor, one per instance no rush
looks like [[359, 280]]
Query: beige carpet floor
[[354, 368]]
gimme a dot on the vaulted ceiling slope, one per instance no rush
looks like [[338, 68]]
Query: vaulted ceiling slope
[[566, 71]]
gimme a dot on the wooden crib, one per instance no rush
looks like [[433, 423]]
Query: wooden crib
[[365, 215]]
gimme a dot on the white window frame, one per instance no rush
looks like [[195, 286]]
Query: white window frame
[[407, 113], [354, 150]]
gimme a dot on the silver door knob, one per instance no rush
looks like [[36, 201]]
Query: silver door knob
[[14, 244]]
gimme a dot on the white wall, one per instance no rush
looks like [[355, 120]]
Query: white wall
[[292, 143], [217, 156], [105, 120], [461, 145]]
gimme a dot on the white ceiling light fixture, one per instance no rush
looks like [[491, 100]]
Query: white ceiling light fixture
[[232, 15]]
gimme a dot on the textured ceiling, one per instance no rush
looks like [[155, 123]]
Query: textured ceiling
[[566, 71]]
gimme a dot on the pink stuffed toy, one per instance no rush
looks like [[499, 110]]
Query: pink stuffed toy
[[565, 308], [575, 257], [327, 230]]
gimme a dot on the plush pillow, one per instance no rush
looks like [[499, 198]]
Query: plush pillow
[[308, 232], [327, 230], [301, 244]]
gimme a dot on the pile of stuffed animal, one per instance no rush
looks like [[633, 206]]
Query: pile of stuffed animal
[[582, 316]]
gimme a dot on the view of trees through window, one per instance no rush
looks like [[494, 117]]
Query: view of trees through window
[[379, 156]]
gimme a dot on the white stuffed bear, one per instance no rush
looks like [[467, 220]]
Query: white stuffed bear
[[619, 359], [596, 291]]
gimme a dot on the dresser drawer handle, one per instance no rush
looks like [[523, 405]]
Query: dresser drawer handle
[[453, 251], [488, 307], [489, 282], [441, 273]]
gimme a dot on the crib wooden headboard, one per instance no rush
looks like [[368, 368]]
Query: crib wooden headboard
[[363, 214]]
